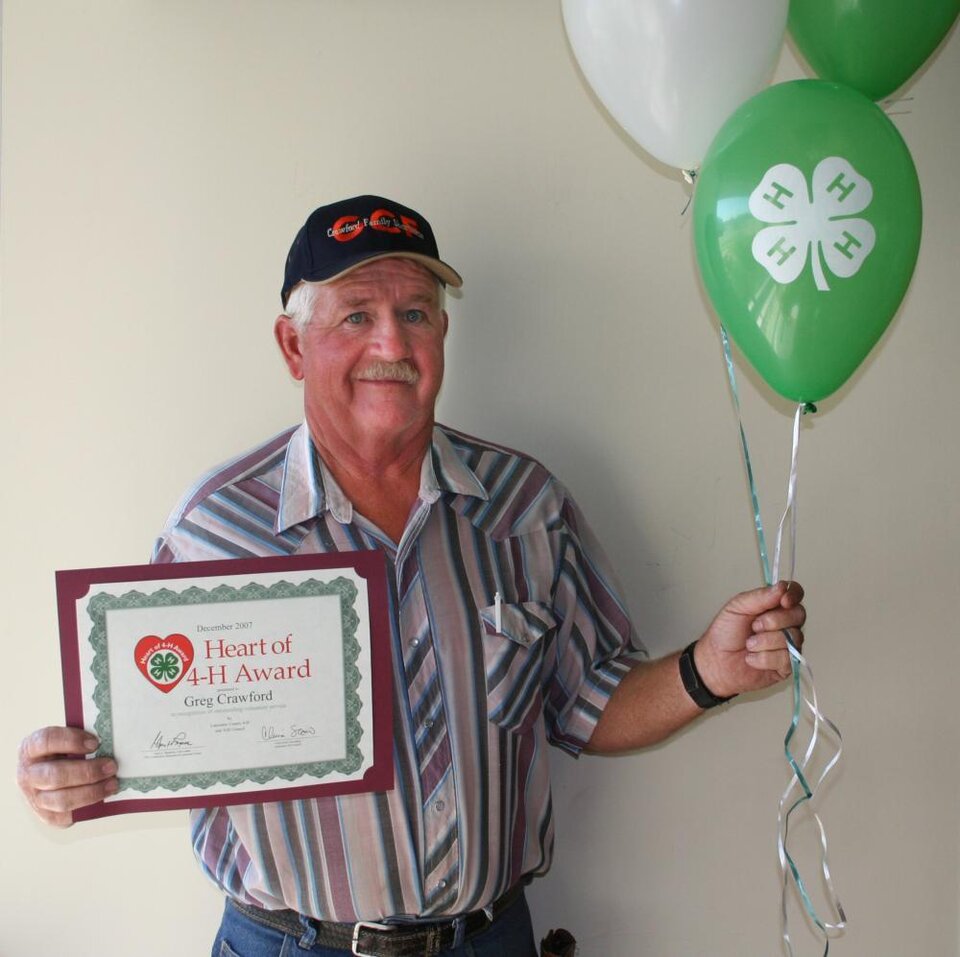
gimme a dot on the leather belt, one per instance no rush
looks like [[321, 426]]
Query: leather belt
[[371, 939]]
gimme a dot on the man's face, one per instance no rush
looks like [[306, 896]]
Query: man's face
[[371, 357]]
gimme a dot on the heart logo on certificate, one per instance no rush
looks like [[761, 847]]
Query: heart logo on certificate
[[164, 661]]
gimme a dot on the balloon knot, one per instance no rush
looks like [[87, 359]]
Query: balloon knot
[[690, 175], [809, 407]]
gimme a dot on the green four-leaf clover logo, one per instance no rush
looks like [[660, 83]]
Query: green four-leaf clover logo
[[819, 221], [164, 666]]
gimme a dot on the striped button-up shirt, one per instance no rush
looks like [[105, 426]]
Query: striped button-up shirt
[[475, 706]]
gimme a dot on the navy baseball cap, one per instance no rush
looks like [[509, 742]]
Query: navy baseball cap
[[340, 237]]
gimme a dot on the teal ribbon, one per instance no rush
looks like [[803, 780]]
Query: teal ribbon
[[801, 675], [745, 449]]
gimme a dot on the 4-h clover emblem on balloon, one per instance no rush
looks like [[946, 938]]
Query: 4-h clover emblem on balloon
[[821, 221], [807, 224]]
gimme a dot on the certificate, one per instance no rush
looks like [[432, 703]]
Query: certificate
[[231, 682]]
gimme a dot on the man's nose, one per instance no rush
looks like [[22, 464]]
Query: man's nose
[[392, 337]]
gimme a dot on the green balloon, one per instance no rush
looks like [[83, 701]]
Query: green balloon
[[875, 46], [807, 225]]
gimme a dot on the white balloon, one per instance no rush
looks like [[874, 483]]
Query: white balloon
[[671, 71]]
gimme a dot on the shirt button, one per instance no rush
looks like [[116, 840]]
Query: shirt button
[[442, 884], [439, 806], [415, 643], [428, 722]]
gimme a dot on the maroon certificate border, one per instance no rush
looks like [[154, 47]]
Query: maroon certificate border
[[73, 584]]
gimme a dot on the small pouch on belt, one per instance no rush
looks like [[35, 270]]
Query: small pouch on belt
[[558, 943]]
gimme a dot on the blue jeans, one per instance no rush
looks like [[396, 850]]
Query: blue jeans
[[511, 935]]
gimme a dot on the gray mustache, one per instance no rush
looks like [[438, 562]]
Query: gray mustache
[[401, 371]]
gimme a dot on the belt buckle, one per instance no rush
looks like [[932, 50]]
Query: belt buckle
[[366, 925]]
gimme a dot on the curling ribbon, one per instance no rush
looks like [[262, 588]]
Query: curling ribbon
[[802, 678]]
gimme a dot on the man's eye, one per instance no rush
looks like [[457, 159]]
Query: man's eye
[[414, 315], [354, 319]]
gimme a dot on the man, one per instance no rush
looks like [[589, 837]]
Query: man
[[508, 631]]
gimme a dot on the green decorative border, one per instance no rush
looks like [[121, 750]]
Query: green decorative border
[[101, 603]]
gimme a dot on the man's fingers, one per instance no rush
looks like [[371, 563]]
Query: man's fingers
[[62, 819], [779, 618], [778, 661], [793, 595], [54, 789], [64, 800], [758, 600], [774, 640], [767, 651], [48, 742], [60, 774], [55, 778]]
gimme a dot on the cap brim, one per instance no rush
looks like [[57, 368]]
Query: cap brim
[[446, 274]]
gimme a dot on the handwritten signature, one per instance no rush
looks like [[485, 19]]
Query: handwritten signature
[[179, 740], [270, 733]]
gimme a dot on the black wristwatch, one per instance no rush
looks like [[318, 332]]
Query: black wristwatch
[[702, 696]]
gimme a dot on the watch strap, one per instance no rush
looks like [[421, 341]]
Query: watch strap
[[694, 684]]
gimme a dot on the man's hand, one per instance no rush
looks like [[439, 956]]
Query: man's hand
[[53, 782], [745, 649]]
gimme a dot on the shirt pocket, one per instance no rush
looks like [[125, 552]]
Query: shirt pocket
[[513, 660]]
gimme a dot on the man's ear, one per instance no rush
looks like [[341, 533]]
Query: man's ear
[[446, 322], [288, 338]]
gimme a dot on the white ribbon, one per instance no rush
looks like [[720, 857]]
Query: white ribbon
[[824, 733]]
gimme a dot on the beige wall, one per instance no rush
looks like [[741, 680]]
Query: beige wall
[[157, 158]]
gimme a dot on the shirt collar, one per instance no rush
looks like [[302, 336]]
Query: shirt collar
[[307, 487], [444, 470]]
